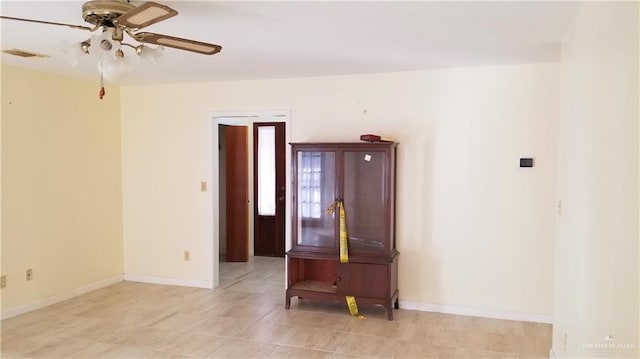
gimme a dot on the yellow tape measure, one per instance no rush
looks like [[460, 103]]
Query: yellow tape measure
[[344, 247], [353, 307], [351, 303], [344, 251]]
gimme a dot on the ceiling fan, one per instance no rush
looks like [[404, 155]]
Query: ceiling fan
[[115, 18]]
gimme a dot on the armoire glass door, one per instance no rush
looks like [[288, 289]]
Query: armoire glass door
[[316, 191], [364, 198]]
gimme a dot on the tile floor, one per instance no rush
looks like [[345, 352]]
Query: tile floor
[[245, 317]]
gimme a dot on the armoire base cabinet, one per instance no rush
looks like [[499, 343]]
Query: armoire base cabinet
[[328, 279], [360, 177]]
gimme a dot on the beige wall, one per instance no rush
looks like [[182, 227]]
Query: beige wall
[[474, 230], [596, 265], [61, 185]]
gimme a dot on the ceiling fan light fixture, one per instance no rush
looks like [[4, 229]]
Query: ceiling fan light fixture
[[74, 51], [113, 70], [149, 53], [146, 14], [85, 46], [104, 44]]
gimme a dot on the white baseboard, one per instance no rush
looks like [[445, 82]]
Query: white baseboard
[[477, 312], [61, 297], [168, 281]]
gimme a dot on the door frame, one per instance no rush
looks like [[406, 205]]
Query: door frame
[[245, 118]]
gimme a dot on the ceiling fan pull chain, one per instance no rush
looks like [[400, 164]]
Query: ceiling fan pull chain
[[102, 92]]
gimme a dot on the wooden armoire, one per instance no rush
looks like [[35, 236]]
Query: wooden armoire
[[362, 176]]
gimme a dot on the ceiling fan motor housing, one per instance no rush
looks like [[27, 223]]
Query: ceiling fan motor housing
[[103, 12]]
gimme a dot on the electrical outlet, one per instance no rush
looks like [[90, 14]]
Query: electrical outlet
[[3, 281], [29, 274], [203, 186], [187, 255]]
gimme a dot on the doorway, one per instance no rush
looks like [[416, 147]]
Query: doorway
[[257, 231]]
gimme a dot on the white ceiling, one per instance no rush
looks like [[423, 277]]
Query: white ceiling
[[294, 39]]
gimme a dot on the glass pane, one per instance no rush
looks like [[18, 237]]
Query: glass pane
[[267, 170], [364, 200], [316, 192]]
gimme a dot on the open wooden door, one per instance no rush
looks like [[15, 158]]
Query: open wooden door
[[269, 176], [237, 192]]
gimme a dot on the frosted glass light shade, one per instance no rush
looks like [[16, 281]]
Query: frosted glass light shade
[[150, 54], [73, 52], [113, 70]]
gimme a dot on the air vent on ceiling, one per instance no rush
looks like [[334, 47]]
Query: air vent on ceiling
[[23, 53]]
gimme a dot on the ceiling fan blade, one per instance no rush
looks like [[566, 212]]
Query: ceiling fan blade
[[79, 27], [144, 15], [178, 43]]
